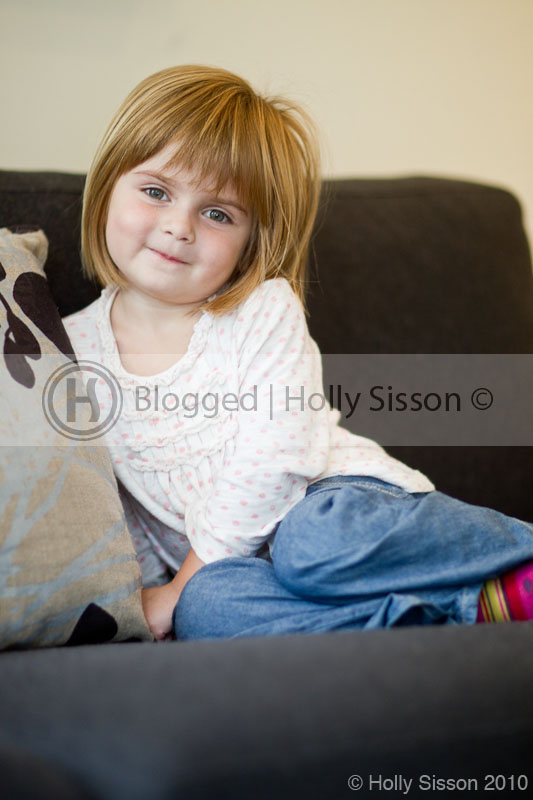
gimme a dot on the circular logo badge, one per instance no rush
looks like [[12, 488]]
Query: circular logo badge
[[70, 404]]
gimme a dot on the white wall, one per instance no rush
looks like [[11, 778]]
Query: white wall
[[397, 86]]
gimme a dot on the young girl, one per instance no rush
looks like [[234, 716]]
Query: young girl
[[198, 211]]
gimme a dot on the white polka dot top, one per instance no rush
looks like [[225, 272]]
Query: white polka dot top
[[214, 451]]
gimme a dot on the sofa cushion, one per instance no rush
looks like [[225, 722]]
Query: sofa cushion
[[68, 571]]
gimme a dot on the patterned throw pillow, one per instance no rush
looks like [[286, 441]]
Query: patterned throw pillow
[[68, 571]]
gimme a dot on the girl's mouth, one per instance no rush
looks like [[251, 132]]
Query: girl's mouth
[[167, 257]]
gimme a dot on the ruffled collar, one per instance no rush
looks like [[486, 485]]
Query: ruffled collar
[[111, 355]]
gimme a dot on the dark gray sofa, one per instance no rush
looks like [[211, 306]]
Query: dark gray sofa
[[417, 265]]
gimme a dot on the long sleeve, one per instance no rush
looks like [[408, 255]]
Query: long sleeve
[[282, 441]]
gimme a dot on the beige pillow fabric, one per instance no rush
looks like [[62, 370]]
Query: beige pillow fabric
[[68, 571]]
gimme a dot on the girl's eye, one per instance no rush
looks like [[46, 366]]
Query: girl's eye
[[154, 193], [217, 215]]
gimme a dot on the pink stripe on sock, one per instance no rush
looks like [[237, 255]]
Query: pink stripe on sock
[[482, 612]]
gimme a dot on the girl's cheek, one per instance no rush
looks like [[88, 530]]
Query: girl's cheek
[[138, 217]]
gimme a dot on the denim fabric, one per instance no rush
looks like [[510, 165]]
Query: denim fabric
[[357, 553]]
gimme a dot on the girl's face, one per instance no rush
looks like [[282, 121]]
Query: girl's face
[[173, 240]]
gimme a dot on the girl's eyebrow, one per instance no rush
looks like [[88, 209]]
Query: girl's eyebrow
[[160, 176]]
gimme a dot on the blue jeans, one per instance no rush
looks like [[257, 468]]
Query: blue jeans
[[357, 553]]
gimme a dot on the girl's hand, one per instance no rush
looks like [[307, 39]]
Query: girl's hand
[[158, 606], [159, 602]]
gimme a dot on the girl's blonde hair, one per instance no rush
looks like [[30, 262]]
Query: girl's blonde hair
[[224, 131]]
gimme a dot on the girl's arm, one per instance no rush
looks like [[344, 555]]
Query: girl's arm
[[280, 443], [159, 602]]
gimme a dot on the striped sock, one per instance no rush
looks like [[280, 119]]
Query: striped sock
[[509, 597]]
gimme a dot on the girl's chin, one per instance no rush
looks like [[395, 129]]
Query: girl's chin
[[167, 297], [165, 292]]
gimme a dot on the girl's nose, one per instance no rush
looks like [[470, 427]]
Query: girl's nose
[[178, 223]]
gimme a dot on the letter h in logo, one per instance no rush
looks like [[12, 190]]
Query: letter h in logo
[[73, 399]]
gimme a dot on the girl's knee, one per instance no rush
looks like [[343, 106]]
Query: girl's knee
[[332, 531]]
